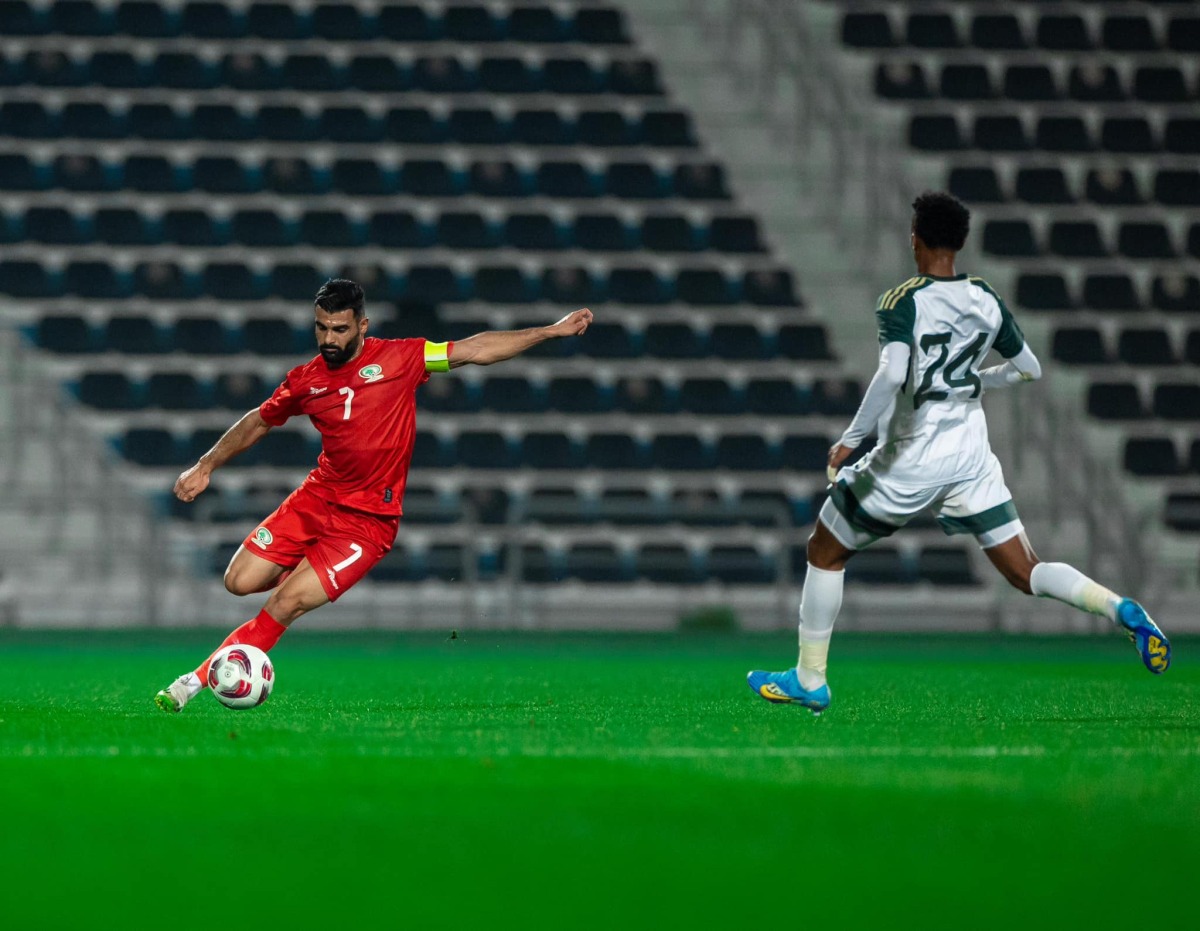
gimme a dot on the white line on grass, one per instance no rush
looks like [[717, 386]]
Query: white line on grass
[[251, 748]]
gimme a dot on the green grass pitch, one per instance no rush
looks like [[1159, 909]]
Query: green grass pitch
[[617, 782]]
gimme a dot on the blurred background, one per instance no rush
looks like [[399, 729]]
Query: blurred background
[[726, 183]]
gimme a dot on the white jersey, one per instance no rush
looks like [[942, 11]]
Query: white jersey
[[936, 431]]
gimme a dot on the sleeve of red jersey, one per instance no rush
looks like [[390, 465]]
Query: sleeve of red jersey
[[281, 405]]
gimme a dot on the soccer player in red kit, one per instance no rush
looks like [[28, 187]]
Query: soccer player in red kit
[[359, 392]]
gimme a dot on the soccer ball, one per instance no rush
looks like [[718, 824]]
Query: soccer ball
[[241, 676]]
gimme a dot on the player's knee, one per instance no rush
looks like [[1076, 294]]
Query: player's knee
[[1019, 577], [240, 582]]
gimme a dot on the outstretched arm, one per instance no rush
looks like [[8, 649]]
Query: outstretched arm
[[238, 438], [1022, 367], [496, 346], [892, 371]]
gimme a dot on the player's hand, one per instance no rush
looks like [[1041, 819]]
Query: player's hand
[[837, 455], [191, 483], [573, 324]]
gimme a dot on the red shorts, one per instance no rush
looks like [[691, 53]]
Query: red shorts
[[341, 544]]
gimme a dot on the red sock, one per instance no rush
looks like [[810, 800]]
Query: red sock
[[262, 632]]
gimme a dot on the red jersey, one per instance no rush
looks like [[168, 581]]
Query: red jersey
[[366, 413]]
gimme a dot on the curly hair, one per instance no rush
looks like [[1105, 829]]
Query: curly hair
[[340, 294], [941, 220]]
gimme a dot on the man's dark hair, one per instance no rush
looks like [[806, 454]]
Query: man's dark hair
[[941, 220], [340, 294]]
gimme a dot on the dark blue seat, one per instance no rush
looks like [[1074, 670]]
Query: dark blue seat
[[804, 453], [804, 341], [288, 449], [746, 452], [220, 174], [109, 391], [508, 75], [407, 23], [776, 397], [21, 173], [55, 225], [211, 20], [484, 449], [27, 119], [165, 280], [700, 181], [432, 283], [239, 391], [635, 180], [81, 18], [669, 233], [599, 25], [609, 341], [631, 285], [426, 178], [278, 21], [378, 73], [341, 22], [94, 278], [47, 68], [184, 71], [769, 288], [603, 128], [299, 281], [535, 24], [667, 563], [261, 228], [200, 336], [175, 391], [709, 396], [943, 565], [704, 286], [565, 179], [680, 451], [151, 447], [612, 451], [512, 394], [836, 397], [673, 341], [250, 71], [192, 227], [67, 333], [133, 335], [577, 395], [429, 451], [667, 129], [740, 565], [633, 76], [18, 18], [571, 285], [232, 281], [597, 562], [534, 231], [151, 174], [639, 395], [546, 450], [122, 226], [310, 73], [602, 232], [572, 76], [269, 336], [441, 74], [330, 228]]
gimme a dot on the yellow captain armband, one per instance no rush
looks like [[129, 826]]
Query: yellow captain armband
[[437, 356]]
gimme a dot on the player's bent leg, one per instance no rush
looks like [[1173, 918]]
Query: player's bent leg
[[304, 591], [1019, 564], [248, 573], [1015, 560]]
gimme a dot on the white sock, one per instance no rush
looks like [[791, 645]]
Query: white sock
[[820, 602], [1067, 584], [191, 682]]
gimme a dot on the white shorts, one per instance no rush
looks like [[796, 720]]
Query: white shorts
[[864, 506]]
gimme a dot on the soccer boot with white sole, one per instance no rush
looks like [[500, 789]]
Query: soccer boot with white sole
[[785, 688], [178, 693], [1151, 642]]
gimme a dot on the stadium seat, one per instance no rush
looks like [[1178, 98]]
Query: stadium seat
[[597, 562], [700, 181], [1030, 83], [776, 397], [1131, 135], [612, 451], [1110, 292], [1176, 292], [1063, 134], [175, 391], [1145, 346], [20, 173], [769, 288], [1043, 186], [65, 333], [640, 395], [836, 397], [966, 82], [1177, 401], [1113, 187], [151, 447], [1151, 456], [633, 77], [709, 396], [1115, 401], [1009, 238], [484, 449], [199, 336], [1160, 84], [289, 449], [1043, 292], [1080, 346], [1145, 240], [740, 565], [1183, 34], [667, 563], [901, 81], [934, 133], [1079, 239], [738, 341], [240, 391], [673, 341], [879, 565], [1177, 187], [945, 566], [634, 180], [109, 391], [867, 30], [804, 453], [746, 452], [548, 450], [1182, 512]]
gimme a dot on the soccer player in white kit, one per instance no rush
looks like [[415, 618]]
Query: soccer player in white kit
[[925, 403]]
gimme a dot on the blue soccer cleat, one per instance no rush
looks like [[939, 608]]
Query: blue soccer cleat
[[784, 688], [1150, 641]]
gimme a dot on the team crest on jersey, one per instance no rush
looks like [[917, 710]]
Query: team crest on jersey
[[262, 536], [371, 372]]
